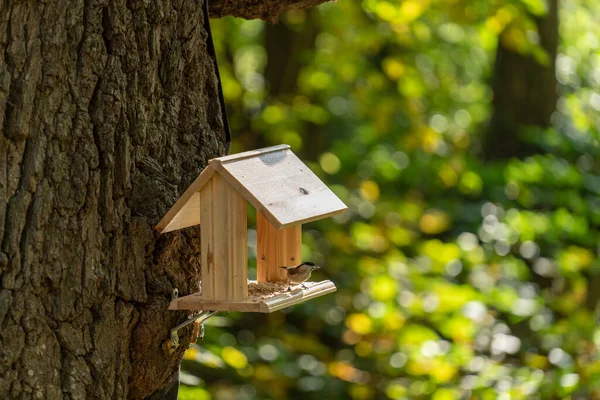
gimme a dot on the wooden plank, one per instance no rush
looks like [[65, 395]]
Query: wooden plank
[[276, 248], [189, 215], [296, 296], [184, 212], [207, 244], [296, 210], [224, 242], [273, 179], [280, 186], [290, 246], [195, 302], [266, 251], [250, 154], [237, 220]]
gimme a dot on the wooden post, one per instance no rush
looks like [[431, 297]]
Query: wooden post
[[275, 248], [223, 230]]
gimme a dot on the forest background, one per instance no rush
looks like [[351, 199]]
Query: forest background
[[464, 137]]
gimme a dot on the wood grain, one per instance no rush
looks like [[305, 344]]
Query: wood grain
[[223, 230], [280, 186], [314, 289], [186, 210], [272, 179], [296, 296], [275, 248], [250, 154]]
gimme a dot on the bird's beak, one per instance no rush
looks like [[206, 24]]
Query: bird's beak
[[316, 267]]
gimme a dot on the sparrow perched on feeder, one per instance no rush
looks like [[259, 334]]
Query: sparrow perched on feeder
[[300, 273]]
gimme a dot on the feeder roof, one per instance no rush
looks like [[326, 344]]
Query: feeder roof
[[272, 179]]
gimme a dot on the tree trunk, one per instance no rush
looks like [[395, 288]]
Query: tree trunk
[[264, 9], [524, 92], [108, 111]]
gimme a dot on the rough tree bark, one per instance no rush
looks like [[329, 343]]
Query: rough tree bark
[[108, 110], [524, 92], [265, 9]]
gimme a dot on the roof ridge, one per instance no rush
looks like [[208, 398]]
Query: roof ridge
[[248, 154]]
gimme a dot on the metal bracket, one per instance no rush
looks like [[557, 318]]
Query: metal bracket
[[200, 319]]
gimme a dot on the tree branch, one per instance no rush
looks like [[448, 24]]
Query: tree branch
[[268, 10]]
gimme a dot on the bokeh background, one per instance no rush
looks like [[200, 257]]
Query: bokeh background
[[464, 137]]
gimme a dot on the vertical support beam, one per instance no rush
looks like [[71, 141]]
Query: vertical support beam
[[223, 229], [275, 248]]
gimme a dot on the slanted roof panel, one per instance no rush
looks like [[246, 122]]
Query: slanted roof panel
[[273, 180], [278, 184], [186, 211]]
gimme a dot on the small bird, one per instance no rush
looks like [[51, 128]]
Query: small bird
[[300, 273]]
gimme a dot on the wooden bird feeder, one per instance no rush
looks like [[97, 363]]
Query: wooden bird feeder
[[285, 193]]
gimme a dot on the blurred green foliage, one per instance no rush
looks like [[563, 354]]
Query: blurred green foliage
[[456, 278]]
